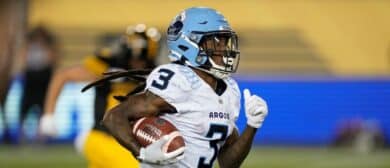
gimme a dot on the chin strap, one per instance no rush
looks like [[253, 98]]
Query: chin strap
[[214, 72], [217, 70], [218, 74]]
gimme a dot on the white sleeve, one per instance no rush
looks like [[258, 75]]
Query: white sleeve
[[168, 83]]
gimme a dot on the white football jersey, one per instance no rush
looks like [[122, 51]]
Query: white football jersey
[[204, 118]]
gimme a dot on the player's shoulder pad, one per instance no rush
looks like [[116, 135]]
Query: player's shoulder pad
[[182, 76], [104, 52]]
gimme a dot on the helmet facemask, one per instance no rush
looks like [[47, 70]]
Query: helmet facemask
[[219, 53]]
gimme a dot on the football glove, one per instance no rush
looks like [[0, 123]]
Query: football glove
[[154, 153], [47, 125], [255, 109]]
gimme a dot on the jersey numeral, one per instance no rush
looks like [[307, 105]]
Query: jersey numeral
[[165, 76], [214, 129]]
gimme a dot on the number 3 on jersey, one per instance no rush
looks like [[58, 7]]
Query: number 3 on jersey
[[214, 129], [163, 80]]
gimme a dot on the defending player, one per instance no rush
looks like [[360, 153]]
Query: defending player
[[137, 49], [202, 100]]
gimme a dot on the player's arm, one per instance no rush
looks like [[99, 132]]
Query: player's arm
[[91, 69], [162, 94], [74, 74], [118, 119], [236, 147]]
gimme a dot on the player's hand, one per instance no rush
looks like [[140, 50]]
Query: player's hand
[[155, 154], [255, 109], [47, 125]]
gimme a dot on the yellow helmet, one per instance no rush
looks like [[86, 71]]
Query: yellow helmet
[[143, 42]]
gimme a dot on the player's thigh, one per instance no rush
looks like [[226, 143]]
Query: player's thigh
[[102, 150]]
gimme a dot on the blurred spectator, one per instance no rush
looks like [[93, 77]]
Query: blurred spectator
[[39, 57], [363, 136]]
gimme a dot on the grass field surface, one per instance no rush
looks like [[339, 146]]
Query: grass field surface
[[63, 156]]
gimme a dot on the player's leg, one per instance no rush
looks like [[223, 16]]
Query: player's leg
[[102, 150], [27, 102]]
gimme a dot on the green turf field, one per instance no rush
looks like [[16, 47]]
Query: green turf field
[[60, 156]]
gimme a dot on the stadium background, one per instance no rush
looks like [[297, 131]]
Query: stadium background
[[319, 64]]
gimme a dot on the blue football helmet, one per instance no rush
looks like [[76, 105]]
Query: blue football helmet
[[197, 34]]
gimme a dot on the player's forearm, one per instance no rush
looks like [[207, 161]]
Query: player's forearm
[[118, 120], [72, 74], [235, 154], [119, 126], [55, 87]]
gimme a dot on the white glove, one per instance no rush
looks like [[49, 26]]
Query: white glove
[[155, 154], [255, 109], [47, 125]]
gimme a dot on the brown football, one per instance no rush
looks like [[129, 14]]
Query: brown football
[[150, 129]]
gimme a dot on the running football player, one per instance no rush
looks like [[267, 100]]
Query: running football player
[[196, 94]]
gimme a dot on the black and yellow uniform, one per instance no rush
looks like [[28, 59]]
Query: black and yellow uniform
[[100, 148]]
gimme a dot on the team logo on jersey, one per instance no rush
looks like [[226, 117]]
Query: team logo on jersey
[[219, 115]]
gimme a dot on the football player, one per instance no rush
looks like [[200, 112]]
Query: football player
[[196, 94], [137, 49]]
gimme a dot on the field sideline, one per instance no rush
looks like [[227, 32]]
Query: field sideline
[[63, 156]]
